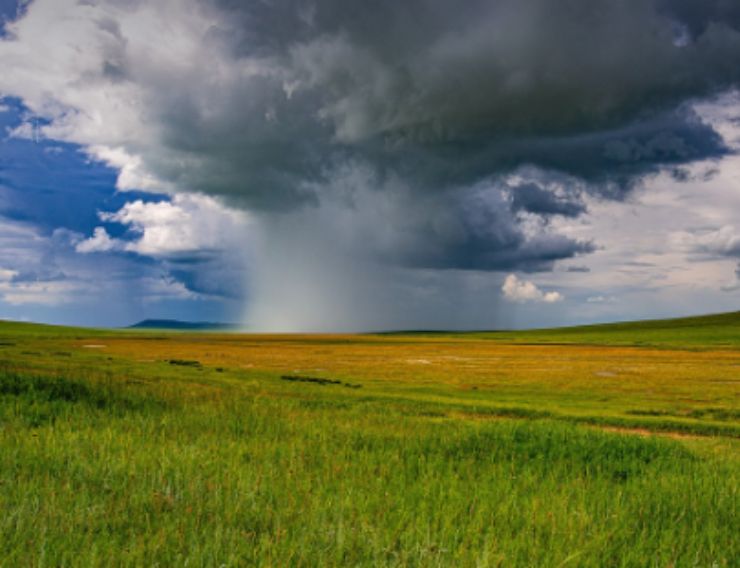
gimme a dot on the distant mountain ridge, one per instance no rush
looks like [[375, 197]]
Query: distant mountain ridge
[[183, 325]]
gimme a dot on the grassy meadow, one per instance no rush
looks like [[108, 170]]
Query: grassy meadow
[[594, 446]]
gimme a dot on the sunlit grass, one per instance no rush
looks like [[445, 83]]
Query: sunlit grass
[[166, 449]]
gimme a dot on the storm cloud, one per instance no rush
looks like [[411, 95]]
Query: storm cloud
[[416, 135]]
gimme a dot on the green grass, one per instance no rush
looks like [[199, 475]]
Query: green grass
[[107, 459], [719, 330]]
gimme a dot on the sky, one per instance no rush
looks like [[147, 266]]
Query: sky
[[324, 165]]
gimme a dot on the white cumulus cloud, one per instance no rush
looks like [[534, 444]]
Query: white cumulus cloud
[[101, 241], [517, 290], [187, 224]]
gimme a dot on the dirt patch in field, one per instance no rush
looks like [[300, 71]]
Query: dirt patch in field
[[480, 416], [644, 432]]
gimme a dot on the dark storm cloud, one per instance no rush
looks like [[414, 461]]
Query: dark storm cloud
[[479, 229], [698, 15], [447, 95], [439, 97], [534, 199], [478, 251], [213, 277]]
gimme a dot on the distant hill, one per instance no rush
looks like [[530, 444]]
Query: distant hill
[[715, 330], [699, 332], [183, 325]]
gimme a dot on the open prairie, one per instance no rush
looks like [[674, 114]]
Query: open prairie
[[594, 446]]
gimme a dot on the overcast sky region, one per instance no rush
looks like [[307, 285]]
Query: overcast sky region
[[334, 165]]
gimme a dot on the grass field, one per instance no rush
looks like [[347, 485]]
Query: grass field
[[597, 446]]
